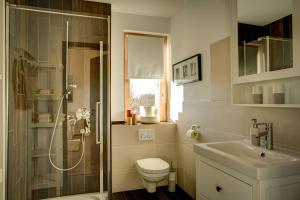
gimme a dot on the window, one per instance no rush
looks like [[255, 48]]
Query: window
[[146, 73], [144, 92]]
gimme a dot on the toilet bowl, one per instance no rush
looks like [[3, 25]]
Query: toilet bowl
[[152, 171]]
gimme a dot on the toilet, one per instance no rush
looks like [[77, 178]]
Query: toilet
[[152, 171]]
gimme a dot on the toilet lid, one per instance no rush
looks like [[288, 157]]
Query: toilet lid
[[153, 165]]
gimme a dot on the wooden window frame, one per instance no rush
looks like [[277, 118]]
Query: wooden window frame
[[163, 82]]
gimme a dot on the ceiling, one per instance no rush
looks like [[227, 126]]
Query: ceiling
[[155, 8], [262, 12], [257, 12]]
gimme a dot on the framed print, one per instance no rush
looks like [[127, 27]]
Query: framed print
[[188, 70]]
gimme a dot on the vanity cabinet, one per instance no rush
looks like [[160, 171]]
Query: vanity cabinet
[[217, 182]]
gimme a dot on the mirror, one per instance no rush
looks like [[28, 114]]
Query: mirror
[[265, 31]]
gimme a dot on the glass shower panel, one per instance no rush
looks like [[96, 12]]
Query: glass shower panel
[[35, 73], [54, 69], [83, 53], [281, 53]]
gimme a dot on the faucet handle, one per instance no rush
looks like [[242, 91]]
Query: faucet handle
[[254, 123], [254, 120]]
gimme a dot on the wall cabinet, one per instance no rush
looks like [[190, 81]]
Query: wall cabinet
[[217, 182], [264, 59]]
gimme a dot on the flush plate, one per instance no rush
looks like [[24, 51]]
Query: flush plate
[[146, 134]]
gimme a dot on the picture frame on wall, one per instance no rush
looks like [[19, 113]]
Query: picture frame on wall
[[188, 70]]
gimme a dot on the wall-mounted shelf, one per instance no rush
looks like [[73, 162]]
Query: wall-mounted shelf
[[267, 76], [264, 61], [242, 94], [270, 105]]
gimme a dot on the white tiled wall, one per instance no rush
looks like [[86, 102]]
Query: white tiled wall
[[221, 121], [126, 149]]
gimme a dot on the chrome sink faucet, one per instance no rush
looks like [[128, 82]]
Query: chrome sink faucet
[[268, 133]]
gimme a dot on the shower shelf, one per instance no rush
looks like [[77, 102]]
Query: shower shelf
[[43, 68], [41, 65], [42, 125], [44, 181], [44, 97], [41, 153]]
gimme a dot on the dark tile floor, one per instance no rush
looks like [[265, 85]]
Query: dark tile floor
[[160, 194]]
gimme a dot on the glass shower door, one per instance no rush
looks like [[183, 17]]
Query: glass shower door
[[58, 104]]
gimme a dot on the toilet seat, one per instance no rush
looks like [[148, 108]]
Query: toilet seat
[[153, 166]]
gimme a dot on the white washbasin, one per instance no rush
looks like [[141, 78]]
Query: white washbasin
[[256, 162]]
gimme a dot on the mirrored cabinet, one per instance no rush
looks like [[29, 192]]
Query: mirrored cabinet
[[264, 47]]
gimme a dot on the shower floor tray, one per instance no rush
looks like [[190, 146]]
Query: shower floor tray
[[89, 196]]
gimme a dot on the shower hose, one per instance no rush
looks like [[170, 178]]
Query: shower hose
[[52, 138]]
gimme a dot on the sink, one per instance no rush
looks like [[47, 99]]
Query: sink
[[257, 157], [256, 162]]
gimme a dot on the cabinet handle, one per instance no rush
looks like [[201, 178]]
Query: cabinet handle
[[218, 188]]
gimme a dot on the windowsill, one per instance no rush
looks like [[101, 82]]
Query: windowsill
[[139, 124]]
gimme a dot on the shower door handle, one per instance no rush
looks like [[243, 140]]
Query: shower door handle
[[67, 57], [99, 123], [101, 118], [98, 136]]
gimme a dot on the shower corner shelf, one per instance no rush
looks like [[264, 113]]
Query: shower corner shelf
[[46, 95], [42, 125], [42, 102], [45, 68], [44, 181], [41, 153]]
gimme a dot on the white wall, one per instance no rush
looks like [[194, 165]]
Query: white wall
[[120, 23], [198, 29], [193, 30]]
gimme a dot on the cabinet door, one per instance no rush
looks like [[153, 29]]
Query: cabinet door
[[201, 197], [287, 192], [214, 184]]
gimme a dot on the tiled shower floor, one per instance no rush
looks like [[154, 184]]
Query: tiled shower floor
[[90, 196]]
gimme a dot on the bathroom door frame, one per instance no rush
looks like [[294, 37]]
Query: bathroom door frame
[[92, 46]]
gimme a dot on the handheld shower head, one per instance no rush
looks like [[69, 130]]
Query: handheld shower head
[[70, 88]]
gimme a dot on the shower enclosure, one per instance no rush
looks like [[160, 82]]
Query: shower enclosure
[[58, 90]]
